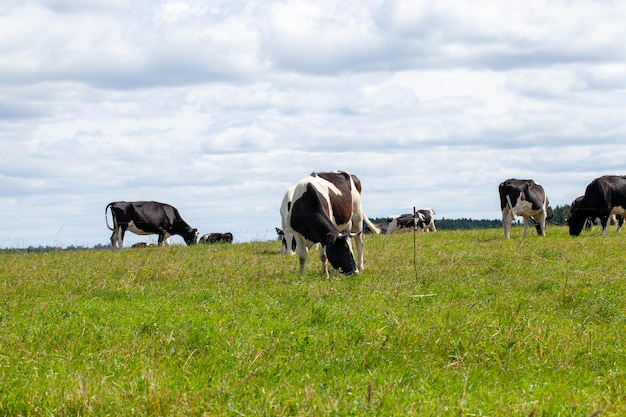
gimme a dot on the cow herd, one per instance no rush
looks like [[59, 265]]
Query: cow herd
[[604, 198], [325, 208], [153, 218]]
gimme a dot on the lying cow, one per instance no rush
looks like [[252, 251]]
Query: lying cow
[[603, 197], [142, 245], [326, 209], [525, 198], [216, 238], [147, 218]]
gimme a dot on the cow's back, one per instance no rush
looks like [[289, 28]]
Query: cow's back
[[612, 189], [339, 189], [153, 213]]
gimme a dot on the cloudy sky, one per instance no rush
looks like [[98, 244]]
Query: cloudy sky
[[216, 107]]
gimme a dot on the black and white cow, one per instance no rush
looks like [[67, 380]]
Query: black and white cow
[[425, 220], [603, 197], [147, 218], [288, 242], [525, 198], [400, 223], [216, 238], [142, 245], [326, 209]]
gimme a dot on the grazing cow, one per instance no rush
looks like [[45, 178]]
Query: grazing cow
[[326, 209], [400, 222], [147, 218], [288, 244], [425, 220], [216, 238], [614, 218], [524, 198], [604, 196]]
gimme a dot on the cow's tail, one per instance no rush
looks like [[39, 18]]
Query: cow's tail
[[508, 201], [371, 225], [106, 218]]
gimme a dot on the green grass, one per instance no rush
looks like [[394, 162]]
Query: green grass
[[479, 326]]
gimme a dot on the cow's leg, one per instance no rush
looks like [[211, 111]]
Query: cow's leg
[[120, 238], [291, 244], [603, 222], [359, 243], [288, 243], [324, 260], [526, 220], [114, 238], [303, 251], [541, 224], [506, 223], [620, 222]]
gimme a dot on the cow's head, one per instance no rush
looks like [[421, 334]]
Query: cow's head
[[191, 237], [339, 252], [576, 222]]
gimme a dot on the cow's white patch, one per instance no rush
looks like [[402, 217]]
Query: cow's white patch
[[619, 210], [132, 227], [523, 209]]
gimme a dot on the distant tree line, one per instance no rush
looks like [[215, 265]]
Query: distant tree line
[[48, 248], [559, 214]]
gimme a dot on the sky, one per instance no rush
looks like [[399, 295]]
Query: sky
[[217, 107]]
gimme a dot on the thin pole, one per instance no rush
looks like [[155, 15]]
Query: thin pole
[[415, 246]]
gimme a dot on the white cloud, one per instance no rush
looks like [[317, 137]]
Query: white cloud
[[217, 108]]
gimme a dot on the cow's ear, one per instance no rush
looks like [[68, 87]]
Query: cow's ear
[[331, 238]]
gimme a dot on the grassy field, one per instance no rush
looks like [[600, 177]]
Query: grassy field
[[479, 326]]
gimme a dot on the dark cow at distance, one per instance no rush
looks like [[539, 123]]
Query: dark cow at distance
[[525, 198], [603, 197], [147, 218], [216, 238], [326, 209]]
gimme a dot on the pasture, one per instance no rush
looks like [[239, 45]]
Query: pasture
[[486, 327]]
